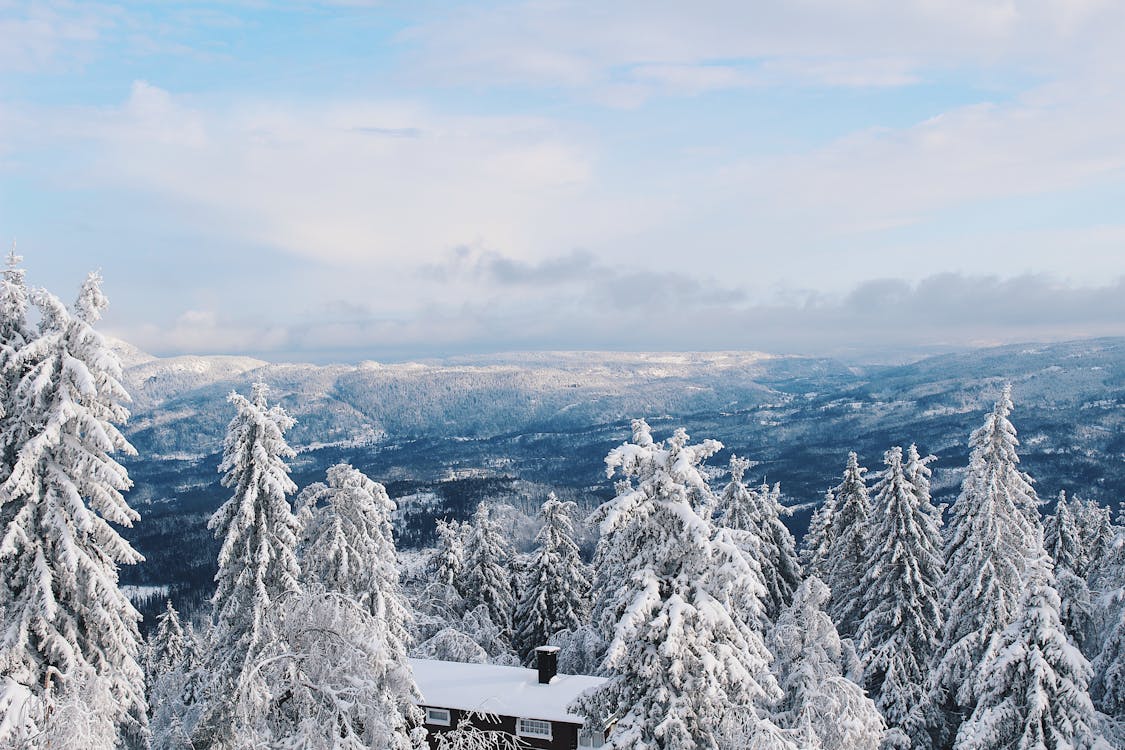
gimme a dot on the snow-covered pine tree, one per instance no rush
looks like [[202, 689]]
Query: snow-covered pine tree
[[816, 546], [1066, 548], [847, 559], [1096, 531], [1034, 693], [740, 519], [902, 626], [780, 549], [918, 473], [174, 696], [992, 533], [556, 591], [809, 662], [680, 666], [448, 560], [486, 578], [335, 679], [350, 550], [257, 567], [1108, 687], [15, 333], [755, 517], [165, 649], [65, 617]]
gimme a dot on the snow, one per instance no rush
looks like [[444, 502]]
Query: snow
[[506, 691]]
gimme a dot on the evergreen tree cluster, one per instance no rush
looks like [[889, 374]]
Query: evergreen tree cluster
[[896, 624]]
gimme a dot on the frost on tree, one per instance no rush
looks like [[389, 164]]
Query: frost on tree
[[66, 621], [1072, 562], [899, 634], [350, 550], [486, 576], [1034, 694], [448, 560], [847, 560], [257, 565], [15, 334], [828, 710], [754, 517], [816, 546], [556, 591], [993, 531], [336, 679], [1109, 667], [165, 650], [680, 666]]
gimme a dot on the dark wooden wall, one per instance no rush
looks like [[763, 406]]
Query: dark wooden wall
[[564, 736]]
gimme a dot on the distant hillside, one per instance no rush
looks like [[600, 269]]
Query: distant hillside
[[444, 435]]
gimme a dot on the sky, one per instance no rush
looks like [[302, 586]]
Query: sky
[[337, 181]]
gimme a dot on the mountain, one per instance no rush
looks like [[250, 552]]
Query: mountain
[[444, 434]]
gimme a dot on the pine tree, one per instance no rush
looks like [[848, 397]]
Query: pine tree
[[556, 592], [755, 516], [1108, 688], [681, 667], [15, 334], [847, 560], [1034, 694], [257, 567], [990, 536], [809, 662], [816, 546], [66, 620], [1072, 560], [900, 631], [166, 646], [350, 550], [486, 574], [448, 560]]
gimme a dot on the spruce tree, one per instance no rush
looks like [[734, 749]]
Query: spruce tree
[[1072, 561], [486, 576], [809, 660], [992, 533], [350, 550], [66, 621], [900, 631], [166, 646], [847, 560], [15, 334], [1034, 694], [755, 516], [448, 560], [257, 567], [816, 546], [681, 668], [556, 593], [1108, 688]]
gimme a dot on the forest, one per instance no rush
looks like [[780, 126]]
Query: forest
[[894, 623]]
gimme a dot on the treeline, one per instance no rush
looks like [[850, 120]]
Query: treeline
[[896, 624]]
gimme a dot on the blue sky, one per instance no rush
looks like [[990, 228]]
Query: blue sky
[[349, 180]]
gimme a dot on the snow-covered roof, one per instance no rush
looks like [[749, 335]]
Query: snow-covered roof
[[505, 691]]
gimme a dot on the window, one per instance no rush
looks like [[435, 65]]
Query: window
[[438, 717], [533, 728], [591, 738]]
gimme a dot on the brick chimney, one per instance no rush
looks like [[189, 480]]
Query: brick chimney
[[547, 661]]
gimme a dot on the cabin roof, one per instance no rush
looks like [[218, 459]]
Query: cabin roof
[[495, 689]]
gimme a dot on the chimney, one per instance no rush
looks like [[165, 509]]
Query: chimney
[[547, 661]]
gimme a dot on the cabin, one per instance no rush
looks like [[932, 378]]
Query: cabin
[[530, 704]]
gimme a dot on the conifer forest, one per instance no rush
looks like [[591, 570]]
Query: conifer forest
[[996, 620]]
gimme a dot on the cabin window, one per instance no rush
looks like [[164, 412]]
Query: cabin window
[[533, 728], [591, 738], [438, 716]]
